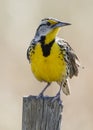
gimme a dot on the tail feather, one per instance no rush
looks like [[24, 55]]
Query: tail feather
[[66, 88]]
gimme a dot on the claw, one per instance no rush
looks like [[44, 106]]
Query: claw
[[40, 96], [57, 97]]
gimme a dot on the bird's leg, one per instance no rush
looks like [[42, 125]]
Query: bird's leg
[[58, 96], [41, 94]]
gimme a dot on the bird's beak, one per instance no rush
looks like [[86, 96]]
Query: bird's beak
[[60, 24]]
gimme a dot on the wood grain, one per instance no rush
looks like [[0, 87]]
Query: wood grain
[[41, 113]]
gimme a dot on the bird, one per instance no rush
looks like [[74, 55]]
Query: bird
[[51, 58]]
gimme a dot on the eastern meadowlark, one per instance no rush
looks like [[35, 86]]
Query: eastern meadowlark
[[51, 58]]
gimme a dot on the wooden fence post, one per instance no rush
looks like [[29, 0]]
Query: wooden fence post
[[41, 113]]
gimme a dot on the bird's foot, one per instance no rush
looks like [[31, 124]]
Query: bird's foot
[[40, 95], [57, 97]]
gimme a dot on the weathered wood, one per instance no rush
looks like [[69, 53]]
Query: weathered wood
[[41, 113]]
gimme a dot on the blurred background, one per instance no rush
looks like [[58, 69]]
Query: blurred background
[[18, 22]]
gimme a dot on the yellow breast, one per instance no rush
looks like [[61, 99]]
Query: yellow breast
[[50, 68]]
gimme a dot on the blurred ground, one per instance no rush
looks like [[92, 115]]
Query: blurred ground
[[18, 22]]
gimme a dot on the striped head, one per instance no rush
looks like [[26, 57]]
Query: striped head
[[48, 26]]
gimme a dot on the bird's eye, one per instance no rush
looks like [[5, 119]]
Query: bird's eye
[[48, 23]]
